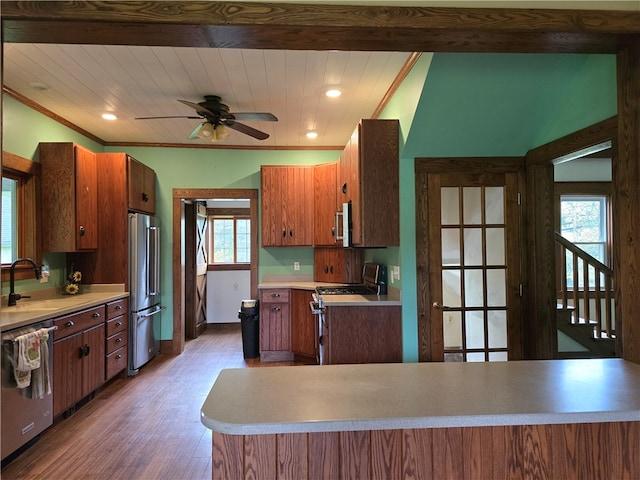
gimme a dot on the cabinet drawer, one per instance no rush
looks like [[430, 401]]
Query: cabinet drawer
[[116, 341], [77, 322], [116, 362], [118, 324], [117, 308], [270, 295]]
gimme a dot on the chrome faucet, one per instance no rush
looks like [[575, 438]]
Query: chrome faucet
[[13, 296]]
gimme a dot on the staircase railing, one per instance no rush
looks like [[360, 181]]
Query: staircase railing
[[596, 288]]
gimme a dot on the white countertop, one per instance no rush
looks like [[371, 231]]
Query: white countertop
[[421, 395], [45, 305]]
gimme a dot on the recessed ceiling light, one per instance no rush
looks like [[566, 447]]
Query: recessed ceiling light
[[312, 135], [109, 116], [333, 93], [39, 86]]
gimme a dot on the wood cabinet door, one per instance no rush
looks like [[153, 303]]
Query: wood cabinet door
[[142, 186], [338, 265], [297, 206], [275, 327], [67, 372], [86, 199], [93, 369], [325, 203], [271, 182], [303, 325]]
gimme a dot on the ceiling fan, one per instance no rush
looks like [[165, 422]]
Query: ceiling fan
[[217, 116]]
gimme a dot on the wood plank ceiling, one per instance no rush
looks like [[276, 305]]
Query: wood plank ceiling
[[81, 82]]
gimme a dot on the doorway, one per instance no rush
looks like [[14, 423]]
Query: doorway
[[469, 261], [180, 197]]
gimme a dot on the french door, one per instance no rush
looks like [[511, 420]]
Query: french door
[[469, 266]]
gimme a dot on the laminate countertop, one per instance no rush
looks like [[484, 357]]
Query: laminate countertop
[[44, 305], [421, 395], [392, 299]]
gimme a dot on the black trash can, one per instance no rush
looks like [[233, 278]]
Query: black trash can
[[249, 319]]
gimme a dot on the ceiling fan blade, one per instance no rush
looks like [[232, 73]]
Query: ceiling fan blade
[[256, 116], [198, 108], [175, 116], [247, 130], [194, 134]]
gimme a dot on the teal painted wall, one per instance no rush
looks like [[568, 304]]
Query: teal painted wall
[[449, 105]]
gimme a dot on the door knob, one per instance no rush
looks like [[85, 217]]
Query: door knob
[[439, 306]]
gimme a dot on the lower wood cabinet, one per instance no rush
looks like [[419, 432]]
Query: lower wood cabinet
[[275, 325], [304, 329], [362, 334], [117, 334], [78, 357]]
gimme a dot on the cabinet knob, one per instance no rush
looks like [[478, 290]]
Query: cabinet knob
[[118, 340], [275, 295], [95, 314], [118, 307], [344, 187], [69, 324], [284, 233], [118, 324], [118, 357], [326, 269], [81, 230], [275, 309], [145, 197]]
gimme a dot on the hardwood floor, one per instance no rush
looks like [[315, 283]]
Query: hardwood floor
[[141, 428]]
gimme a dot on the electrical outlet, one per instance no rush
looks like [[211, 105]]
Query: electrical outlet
[[296, 266]]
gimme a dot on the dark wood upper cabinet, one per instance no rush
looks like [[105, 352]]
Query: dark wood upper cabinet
[[369, 178], [142, 187], [325, 203], [69, 198]]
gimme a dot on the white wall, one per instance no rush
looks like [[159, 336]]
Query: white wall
[[225, 292]]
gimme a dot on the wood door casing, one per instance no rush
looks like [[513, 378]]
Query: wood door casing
[[431, 174]]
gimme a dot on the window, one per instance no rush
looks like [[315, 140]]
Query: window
[[583, 210], [583, 221], [20, 178], [11, 185], [229, 239]]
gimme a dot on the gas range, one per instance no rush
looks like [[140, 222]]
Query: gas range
[[374, 277]]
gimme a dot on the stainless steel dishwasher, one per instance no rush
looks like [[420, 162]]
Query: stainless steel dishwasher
[[23, 417]]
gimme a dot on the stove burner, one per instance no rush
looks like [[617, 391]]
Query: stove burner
[[346, 290]]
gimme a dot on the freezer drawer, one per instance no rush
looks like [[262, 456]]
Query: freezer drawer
[[144, 338]]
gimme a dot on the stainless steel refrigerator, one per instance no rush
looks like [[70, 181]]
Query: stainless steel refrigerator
[[144, 290]]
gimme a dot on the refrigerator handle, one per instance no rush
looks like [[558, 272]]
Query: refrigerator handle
[[153, 260]]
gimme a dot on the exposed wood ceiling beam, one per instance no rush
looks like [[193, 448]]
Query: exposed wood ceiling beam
[[317, 27]]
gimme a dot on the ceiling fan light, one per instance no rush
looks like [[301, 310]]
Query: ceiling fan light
[[221, 132], [207, 132]]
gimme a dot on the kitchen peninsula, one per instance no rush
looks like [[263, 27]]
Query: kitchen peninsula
[[546, 419]]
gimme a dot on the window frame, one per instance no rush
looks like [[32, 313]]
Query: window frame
[[234, 214], [29, 241]]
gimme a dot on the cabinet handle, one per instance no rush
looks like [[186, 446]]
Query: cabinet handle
[[331, 269], [95, 315], [81, 230], [275, 295], [118, 324], [81, 351], [118, 357], [87, 350], [291, 233], [275, 309], [145, 197], [118, 340], [69, 324], [284, 233], [118, 307], [344, 187], [326, 269]]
